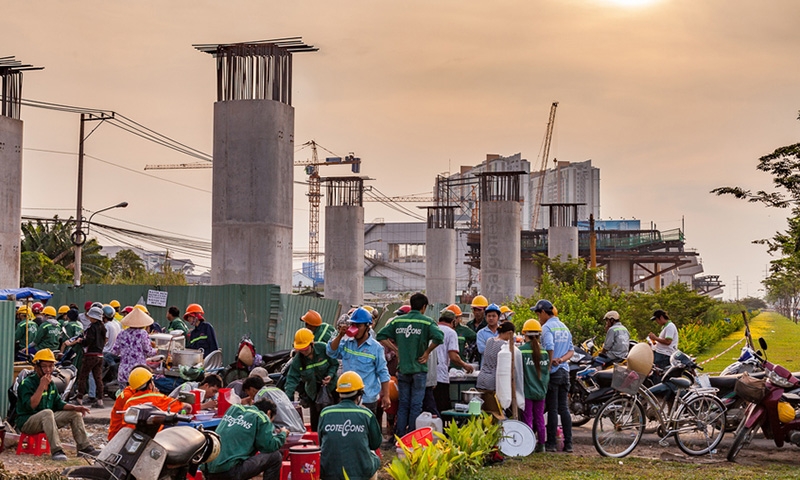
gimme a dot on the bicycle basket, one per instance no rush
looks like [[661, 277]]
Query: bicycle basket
[[750, 389], [626, 381]]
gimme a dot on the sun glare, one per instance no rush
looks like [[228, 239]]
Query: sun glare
[[631, 3]]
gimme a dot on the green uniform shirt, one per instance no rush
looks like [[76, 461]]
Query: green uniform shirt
[[348, 436], [19, 333], [323, 333], [465, 335], [412, 333], [48, 335], [535, 387], [51, 400], [310, 371], [243, 431], [178, 324]]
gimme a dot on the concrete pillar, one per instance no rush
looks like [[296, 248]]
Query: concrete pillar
[[10, 200], [344, 254], [619, 274], [440, 265], [251, 221], [530, 276], [500, 250], [563, 242]]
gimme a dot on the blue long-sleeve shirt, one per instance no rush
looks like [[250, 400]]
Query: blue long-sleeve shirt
[[483, 335], [203, 336], [557, 338], [367, 360]]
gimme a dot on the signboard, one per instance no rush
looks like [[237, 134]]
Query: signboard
[[157, 298]]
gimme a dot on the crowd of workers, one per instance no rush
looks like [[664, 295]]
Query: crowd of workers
[[344, 375]]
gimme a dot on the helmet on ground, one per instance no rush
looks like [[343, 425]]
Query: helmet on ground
[[361, 316], [480, 301], [312, 317], [114, 303], [531, 326], [453, 308], [63, 309], [142, 308], [403, 310], [50, 311], [492, 308], [37, 307], [139, 377], [109, 312], [303, 338], [349, 382], [194, 310], [23, 310], [543, 306], [785, 412], [44, 355]]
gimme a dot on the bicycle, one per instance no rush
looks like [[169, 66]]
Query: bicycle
[[696, 417]]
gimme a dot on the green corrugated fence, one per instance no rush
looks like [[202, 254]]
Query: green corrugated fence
[[7, 318]]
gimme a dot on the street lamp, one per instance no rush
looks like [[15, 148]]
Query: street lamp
[[79, 237]]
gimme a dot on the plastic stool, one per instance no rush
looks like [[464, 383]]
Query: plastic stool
[[286, 470], [36, 444], [196, 476]]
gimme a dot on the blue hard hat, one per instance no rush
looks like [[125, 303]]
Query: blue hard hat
[[493, 307], [361, 315], [109, 312], [543, 305]]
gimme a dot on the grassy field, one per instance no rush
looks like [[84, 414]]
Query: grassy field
[[782, 336]]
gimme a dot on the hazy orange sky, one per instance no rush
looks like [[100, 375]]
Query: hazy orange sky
[[668, 98]]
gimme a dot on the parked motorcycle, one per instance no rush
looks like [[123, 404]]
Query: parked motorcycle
[[144, 453], [775, 412]]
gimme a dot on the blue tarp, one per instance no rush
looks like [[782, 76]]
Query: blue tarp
[[20, 293]]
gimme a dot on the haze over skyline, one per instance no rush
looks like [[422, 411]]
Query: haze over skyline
[[669, 98]]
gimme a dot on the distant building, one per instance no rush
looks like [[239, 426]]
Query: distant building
[[154, 261]]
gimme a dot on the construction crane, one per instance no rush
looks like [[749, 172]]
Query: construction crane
[[548, 136]]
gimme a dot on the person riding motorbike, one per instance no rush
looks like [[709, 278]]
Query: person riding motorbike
[[616, 346]]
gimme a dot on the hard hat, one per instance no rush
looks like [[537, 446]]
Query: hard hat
[[454, 308], [142, 308], [50, 311], [127, 309], [87, 305], [531, 326], [492, 308], [349, 382], [504, 309], [543, 305], [313, 318], [369, 308], [303, 338], [480, 301], [23, 310], [194, 309], [44, 355], [611, 315], [63, 309], [361, 316], [109, 312], [114, 303], [785, 412], [640, 358], [139, 377], [403, 310], [37, 307]]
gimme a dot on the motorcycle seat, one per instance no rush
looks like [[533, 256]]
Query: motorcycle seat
[[723, 383], [268, 357], [680, 382], [181, 444]]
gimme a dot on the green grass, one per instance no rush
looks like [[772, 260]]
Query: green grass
[[560, 466], [782, 336]]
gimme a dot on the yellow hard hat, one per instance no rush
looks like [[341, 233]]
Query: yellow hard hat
[[303, 338], [785, 412], [369, 308], [63, 309], [115, 303], [44, 355], [313, 318], [532, 326], [142, 308], [23, 310], [139, 377], [49, 310], [480, 301], [349, 382], [504, 309]]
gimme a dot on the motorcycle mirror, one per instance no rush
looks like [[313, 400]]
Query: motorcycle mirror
[[763, 343]]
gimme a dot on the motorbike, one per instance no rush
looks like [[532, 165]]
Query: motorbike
[[144, 453], [775, 413]]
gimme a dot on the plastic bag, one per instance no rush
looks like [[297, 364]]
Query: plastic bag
[[286, 416], [323, 398]]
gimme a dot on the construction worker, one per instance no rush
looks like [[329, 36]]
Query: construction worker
[[492, 313], [322, 331], [72, 329], [116, 306], [464, 334], [202, 336], [505, 314], [48, 335], [175, 321], [26, 329], [62, 315], [537, 376], [141, 389], [349, 434], [447, 356], [37, 308], [40, 409], [476, 323], [311, 370]]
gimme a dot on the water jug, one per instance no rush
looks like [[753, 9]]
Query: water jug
[[474, 407], [425, 419]]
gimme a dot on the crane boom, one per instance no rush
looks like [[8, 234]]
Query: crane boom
[[537, 205], [348, 160]]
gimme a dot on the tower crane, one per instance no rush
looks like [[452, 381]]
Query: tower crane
[[537, 205]]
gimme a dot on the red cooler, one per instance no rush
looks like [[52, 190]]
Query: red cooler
[[305, 462], [223, 403]]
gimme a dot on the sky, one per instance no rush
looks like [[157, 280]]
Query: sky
[[668, 98]]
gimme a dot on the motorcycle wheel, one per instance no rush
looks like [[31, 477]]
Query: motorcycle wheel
[[741, 437], [578, 418], [701, 425], [88, 473], [618, 427]]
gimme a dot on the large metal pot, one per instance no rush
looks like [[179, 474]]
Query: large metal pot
[[468, 395], [187, 357]]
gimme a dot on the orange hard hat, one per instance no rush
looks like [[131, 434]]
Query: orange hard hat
[[313, 318], [194, 309], [454, 308]]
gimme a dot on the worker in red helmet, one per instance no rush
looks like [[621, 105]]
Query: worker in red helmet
[[202, 336]]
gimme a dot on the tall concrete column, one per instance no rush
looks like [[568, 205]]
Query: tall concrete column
[[562, 242], [501, 235], [344, 241], [10, 200], [619, 274], [440, 255], [530, 277]]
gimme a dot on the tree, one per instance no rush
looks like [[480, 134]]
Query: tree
[[127, 268], [36, 267]]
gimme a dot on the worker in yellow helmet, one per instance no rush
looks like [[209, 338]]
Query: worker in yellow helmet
[[311, 371]]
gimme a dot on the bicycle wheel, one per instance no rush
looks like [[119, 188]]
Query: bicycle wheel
[[701, 425], [618, 427], [742, 437]]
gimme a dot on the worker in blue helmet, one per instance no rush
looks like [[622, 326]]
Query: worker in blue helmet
[[492, 317]]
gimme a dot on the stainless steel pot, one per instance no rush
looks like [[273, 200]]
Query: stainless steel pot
[[468, 395], [187, 357]]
